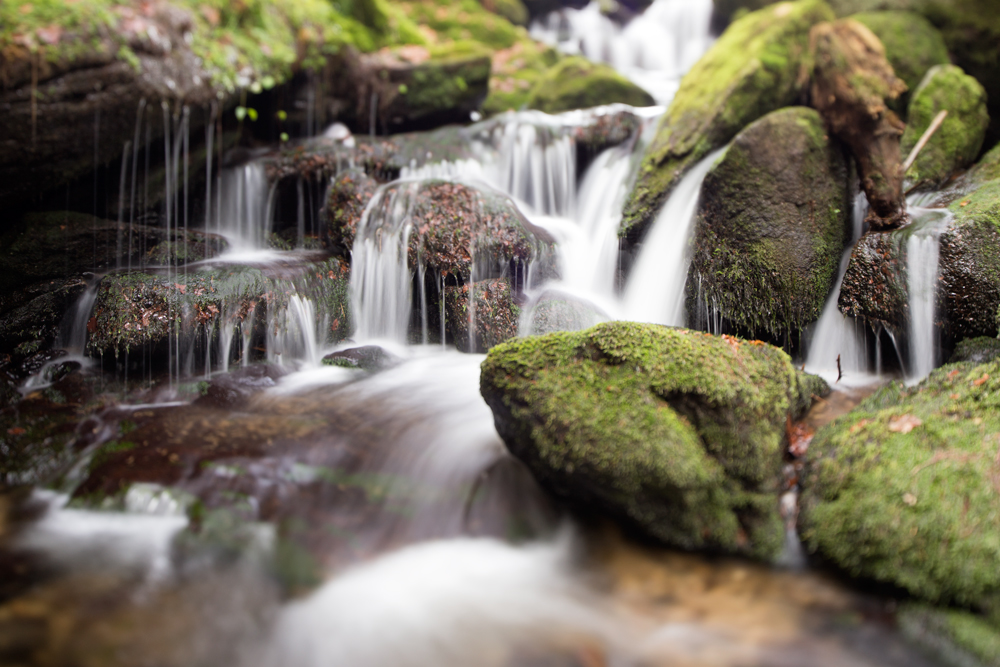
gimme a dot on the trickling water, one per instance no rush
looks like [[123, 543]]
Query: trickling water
[[655, 288], [244, 217], [921, 280], [838, 346]]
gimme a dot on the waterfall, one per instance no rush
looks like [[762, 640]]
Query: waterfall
[[654, 52], [655, 288], [244, 214], [922, 248], [836, 339], [291, 334]]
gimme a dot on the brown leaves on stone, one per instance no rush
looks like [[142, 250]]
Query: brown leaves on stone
[[495, 314], [852, 80]]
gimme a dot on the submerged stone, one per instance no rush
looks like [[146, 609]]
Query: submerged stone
[[578, 83], [771, 225], [494, 319], [366, 357], [956, 143], [903, 490], [678, 433], [754, 68]]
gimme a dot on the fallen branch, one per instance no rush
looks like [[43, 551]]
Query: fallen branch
[[928, 133]]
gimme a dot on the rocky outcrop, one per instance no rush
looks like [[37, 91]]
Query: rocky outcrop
[[851, 82], [677, 432], [494, 317], [771, 225], [956, 143], [903, 490], [577, 83], [753, 69], [912, 46]]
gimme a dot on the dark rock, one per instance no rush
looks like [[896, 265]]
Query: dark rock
[[495, 317], [976, 350], [349, 193], [35, 324], [577, 83], [677, 432], [875, 286], [753, 69], [771, 225], [903, 490], [366, 357], [233, 390]]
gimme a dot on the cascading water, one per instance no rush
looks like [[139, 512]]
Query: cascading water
[[243, 215], [654, 50], [922, 249]]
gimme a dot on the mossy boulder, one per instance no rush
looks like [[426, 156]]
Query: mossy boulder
[[512, 10], [977, 350], [912, 46], [578, 83], [516, 71], [494, 318], [349, 193], [953, 636], [956, 144], [905, 489], [771, 225], [677, 432], [754, 68]]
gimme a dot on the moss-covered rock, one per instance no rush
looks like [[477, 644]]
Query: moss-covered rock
[[494, 319], [874, 286], [349, 193], [976, 350], [578, 83], [912, 46], [956, 144], [515, 73], [904, 489], [954, 636], [678, 432], [512, 10], [754, 68], [771, 225]]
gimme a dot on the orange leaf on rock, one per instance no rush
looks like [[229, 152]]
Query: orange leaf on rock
[[49, 34], [904, 423]]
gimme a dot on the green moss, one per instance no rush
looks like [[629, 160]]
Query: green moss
[[515, 73], [463, 20], [954, 636], [912, 46], [904, 489], [771, 226], [956, 143], [577, 83], [512, 10], [987, 169], [105, 452], [752, 69], [678, 431]]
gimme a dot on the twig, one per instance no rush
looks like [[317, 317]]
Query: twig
[[840, 373], [928, 133]]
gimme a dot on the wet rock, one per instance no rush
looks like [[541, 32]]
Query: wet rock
[[349, 193], [195, 247], [953, 636], [9, 395], [577, 83], [956, 143], [771, 225], [35, 321], [852, 80], [676, 432], [753, 68], [366, 357], [555, 312], [903, 489], [875, 286], [912, 46], [495, 316], [976, 350], [233, 390], [515, 72]]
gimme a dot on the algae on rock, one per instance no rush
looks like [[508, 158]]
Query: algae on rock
[[956, 143], [754, 68], [678, 432], [771, 225]]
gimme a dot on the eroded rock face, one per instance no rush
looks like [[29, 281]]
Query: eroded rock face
[[753, 69], [677, 432], [852, 79], [956, 143], [903, 490], [494, 319], [771, 225]]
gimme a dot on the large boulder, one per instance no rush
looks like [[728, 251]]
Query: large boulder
[[956, 143], [677, 432], [904, 489], [754, 68], [912, 46], [772, 222], [578, 83]]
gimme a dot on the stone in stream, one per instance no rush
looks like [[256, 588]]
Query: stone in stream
[[31, 317], [678, 433], [366, 357], [912, 46], [771, 226], [956, 143], [754, 68], [577, 83], [496, 314], [851, 82], [904, 490], [346, 199]]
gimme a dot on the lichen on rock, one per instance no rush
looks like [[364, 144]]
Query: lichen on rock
[[677, 432]]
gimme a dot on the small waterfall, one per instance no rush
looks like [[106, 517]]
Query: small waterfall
[[922, 248], [838, 346], [655, 288], [244, 214], [292, 333], [654, 51], [380, 278]]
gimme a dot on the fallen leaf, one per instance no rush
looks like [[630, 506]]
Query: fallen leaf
[[909, 499], [50, 34], [860, 425], [181, 288], [955, 397], [904, 423], [981, 381], [16, 430], [951, 375]]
